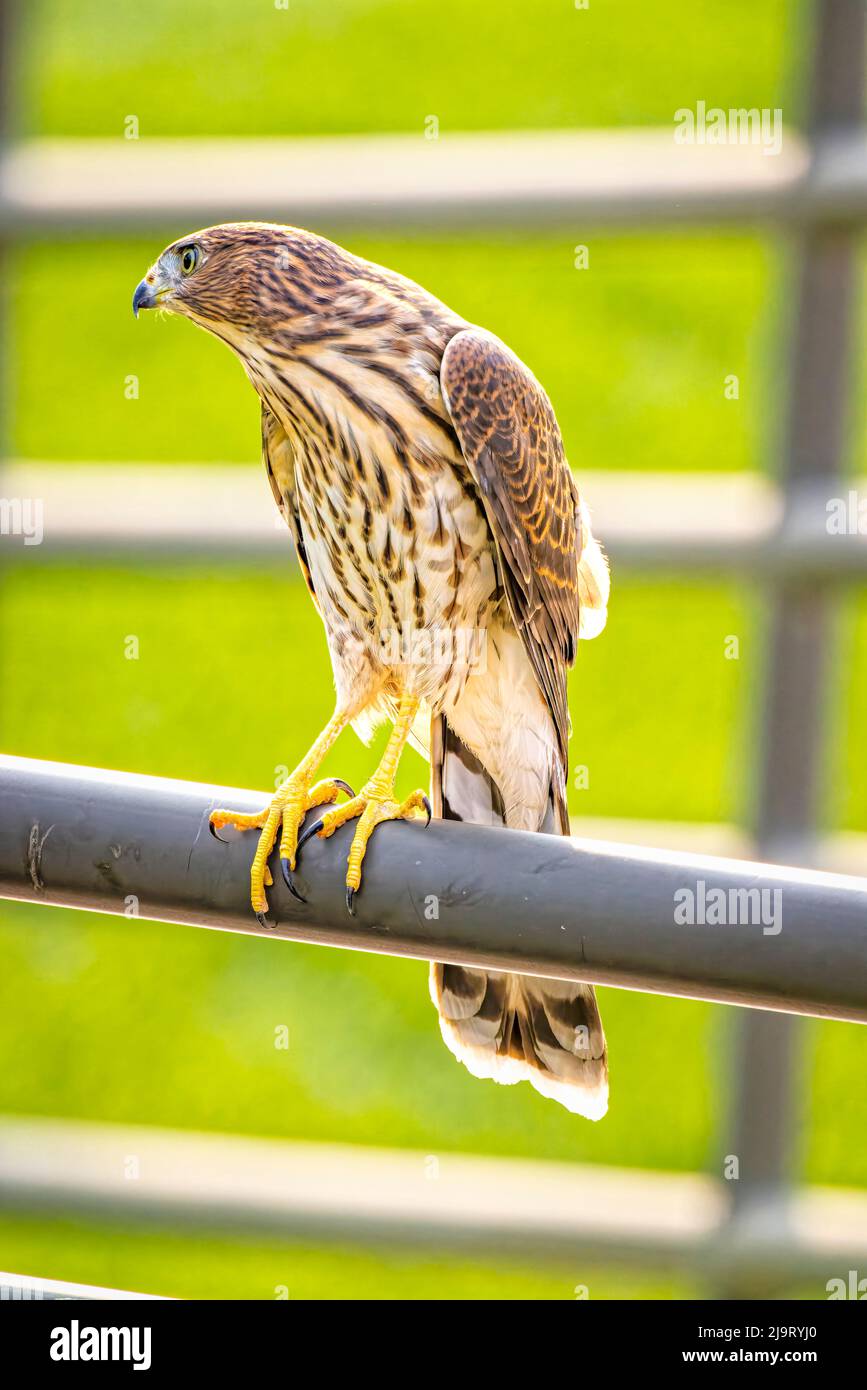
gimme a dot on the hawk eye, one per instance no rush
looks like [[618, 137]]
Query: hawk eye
[[189, 259]]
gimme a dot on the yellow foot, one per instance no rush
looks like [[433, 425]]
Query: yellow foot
[[374, 804], [285, 811]]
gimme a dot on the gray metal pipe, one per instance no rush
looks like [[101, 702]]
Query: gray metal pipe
[[690, 925]]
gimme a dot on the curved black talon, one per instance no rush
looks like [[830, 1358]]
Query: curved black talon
[[213, 830], [344, 787], [350, 901], [427, 806], [289, 880], [308, 835], [263, 920]]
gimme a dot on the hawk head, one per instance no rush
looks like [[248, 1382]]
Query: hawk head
[[240, 278]]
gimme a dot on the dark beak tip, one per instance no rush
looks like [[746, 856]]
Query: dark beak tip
[[141, 297]]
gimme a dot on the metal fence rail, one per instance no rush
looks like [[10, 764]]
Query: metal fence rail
[[778, 938], [522, 178], [564, 1214], [628, 179]]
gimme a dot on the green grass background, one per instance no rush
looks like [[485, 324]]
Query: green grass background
[[114, 1019], [249, 67]]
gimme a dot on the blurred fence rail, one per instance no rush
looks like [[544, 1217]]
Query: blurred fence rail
[[569, 1214], [625, 178], [740, 524]]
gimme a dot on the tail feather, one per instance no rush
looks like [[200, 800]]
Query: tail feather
[[512, 1028], [594, 581]]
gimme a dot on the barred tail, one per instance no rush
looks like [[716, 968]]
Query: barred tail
[[514, 1027]]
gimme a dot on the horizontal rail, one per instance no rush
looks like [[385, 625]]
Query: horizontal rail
[[625, 178], [618, 178], [639, 919], [351, 1193], [549, 1211], [735, 523], [622, 178]]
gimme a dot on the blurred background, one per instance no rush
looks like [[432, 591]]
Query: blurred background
[[130, 1023]]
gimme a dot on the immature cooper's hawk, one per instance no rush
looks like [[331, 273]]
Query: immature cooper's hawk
[[420, 468]]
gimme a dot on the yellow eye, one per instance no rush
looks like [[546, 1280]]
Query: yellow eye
[[189, 259]]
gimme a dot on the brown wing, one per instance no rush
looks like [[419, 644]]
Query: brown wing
[[511, 442], [280, 467]]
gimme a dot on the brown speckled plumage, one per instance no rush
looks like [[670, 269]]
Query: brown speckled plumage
[[420, 469]]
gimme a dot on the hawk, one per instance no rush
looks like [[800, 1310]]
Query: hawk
[[420, 468]]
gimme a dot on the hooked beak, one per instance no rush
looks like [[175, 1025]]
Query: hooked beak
[[149, 293], [143, 297]]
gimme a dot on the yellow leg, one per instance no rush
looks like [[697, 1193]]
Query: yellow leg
[[288, 807], [375, 802]]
